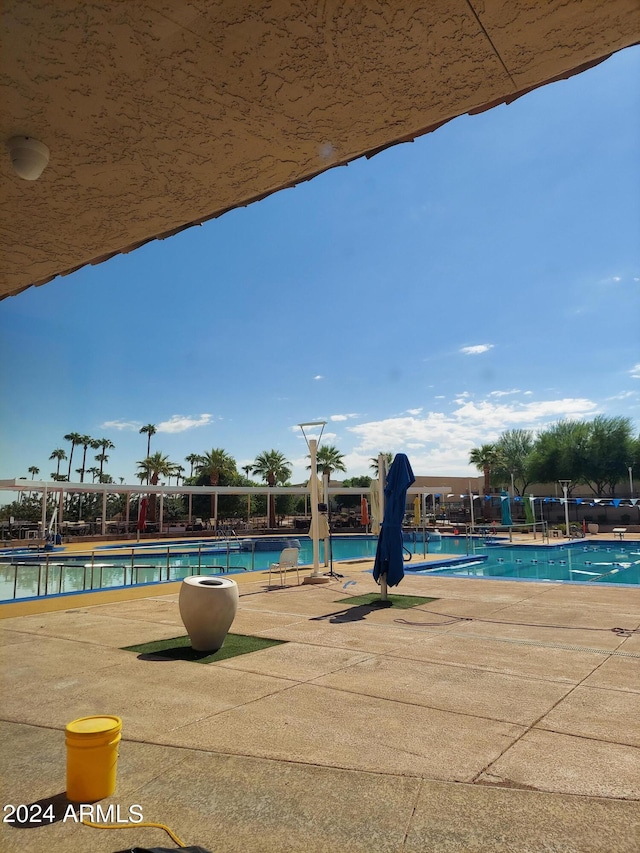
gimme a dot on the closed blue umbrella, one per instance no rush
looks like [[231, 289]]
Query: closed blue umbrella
[[388, 568], [506, 509]]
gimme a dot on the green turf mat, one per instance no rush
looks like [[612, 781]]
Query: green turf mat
[[403, 602], [179, 648]]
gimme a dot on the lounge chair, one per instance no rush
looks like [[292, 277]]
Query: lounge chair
[[288, 560]]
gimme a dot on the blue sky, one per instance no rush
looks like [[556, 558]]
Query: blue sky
[[485, 277]]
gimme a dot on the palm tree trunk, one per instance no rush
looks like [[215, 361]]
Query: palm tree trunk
[[70, 458]]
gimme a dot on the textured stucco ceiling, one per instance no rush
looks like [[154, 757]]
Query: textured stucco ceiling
[[163, 114]]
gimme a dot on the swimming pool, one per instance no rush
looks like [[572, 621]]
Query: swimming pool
[[577, 562], [29, 574]]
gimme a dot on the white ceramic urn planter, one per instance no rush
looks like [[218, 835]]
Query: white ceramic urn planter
[[208, 606]]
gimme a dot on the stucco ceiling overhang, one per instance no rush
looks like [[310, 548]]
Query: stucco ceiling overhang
[[160, 115]]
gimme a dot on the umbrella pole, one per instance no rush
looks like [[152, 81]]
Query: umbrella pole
[[382, 479]]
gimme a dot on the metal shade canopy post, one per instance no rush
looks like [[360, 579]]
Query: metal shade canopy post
[[312, 444]]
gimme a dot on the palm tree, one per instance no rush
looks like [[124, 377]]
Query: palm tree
[[485, 459], [214, 464], [102, 458], [152, 468], [105, 444], [192, 459], [247, 470], [86, 441], [58, 455], [95, 473], [75, 438], [150, 429], [272, 466], [374, 461], [329, 459]]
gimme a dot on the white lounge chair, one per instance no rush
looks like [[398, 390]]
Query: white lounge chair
[[288, 561]]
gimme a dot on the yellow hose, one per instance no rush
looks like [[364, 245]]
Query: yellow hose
[[174, 837]]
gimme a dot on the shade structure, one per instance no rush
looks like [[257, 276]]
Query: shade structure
[[506, 509], [364, 511], [389, 562], [416, 510]]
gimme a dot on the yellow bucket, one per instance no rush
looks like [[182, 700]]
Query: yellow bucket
[[92, 757]]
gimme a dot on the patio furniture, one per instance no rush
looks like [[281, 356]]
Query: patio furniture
[[619, 531], [288, 561]]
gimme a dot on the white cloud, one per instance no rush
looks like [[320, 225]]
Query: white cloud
[[623, 395], [343, 417], [121, 425], [319, 376], [181, 423], [476, 350], [414, 411], [440, 443], [634, 373], [504, 393]]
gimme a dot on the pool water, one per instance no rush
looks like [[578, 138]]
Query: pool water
[[605, 562], [113, 566]]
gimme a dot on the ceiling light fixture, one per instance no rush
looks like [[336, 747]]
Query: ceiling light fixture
[[28, 157]]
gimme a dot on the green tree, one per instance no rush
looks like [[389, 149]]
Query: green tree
[[86, 441], [101, 458], [609, 447], [75, 438], [329, 459], [374, 462], [58, 455], [214, 464], [104, 444], [152, 468], [513, 452], [33, 471], [193, 459], [275, 470], [485, 459], [560, 452], [149, 429], [353, 501]]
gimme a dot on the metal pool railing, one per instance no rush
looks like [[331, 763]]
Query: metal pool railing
[[105, 568]]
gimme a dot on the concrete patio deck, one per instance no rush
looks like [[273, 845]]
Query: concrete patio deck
[[505, 716]]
